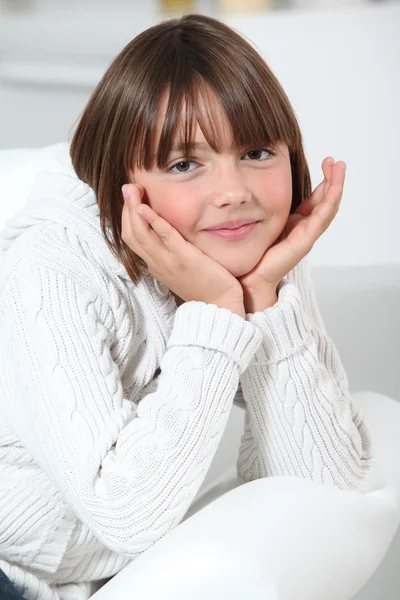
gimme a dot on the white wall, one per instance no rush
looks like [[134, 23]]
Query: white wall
[[339, 67]]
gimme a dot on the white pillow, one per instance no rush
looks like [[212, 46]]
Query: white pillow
[[19, 170]]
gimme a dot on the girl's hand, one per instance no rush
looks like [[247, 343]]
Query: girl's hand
[[303, 228], [175, 262]]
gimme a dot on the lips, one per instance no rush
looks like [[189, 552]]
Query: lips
[[227, 225], [234, 234]]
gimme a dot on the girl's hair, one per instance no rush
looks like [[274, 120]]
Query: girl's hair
[[183, 57]]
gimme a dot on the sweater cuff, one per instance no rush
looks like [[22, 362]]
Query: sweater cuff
[[285, 326], [209, 326]]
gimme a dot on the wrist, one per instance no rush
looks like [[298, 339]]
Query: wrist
[[235, 308], [232, 302], [260, 301]]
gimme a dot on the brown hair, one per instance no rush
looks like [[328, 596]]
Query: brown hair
[[182, 56]]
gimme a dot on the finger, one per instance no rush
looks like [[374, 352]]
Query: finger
[[136, 232], [325, 211], [132, 236], [327, 167], [339, 173], [320, 219], [166, 233], [144, 219], [333, 176], [307, 205], [132, 198], [316, 196], [133, 194], [334, 192], [160, 226]]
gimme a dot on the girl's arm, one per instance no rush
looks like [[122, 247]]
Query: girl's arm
[[300, 417], [128, 470]]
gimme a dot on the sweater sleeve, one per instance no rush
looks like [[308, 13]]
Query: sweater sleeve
[[128, 470], [300, 418]]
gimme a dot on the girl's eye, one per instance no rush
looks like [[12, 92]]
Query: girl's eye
[[179, 164], [183, 166], [255, 154]]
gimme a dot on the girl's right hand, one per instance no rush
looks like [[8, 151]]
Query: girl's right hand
[[175, 262]]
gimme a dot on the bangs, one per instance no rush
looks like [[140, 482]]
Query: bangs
[[249, 110]]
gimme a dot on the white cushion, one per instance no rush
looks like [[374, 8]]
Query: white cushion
[[279, 537], [19, 170]]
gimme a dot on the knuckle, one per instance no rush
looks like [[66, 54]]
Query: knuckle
[[166, 232], [165, 236]]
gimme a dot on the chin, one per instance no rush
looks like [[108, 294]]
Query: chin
[[237, 261], [239, 268], [239, 272]]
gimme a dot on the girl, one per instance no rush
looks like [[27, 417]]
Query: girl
[[129, 327]]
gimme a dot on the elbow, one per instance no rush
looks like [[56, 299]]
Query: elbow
[[134, 535], [129, 524]]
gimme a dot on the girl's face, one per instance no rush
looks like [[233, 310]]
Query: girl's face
[[196, 194]]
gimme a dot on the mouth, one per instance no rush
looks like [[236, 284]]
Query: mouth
[[234, 234]]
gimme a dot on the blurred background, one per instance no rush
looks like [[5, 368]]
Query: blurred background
[[338, 60]]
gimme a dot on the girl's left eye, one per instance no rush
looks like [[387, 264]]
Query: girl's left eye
[[256, 153]]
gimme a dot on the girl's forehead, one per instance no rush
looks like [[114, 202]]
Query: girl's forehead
[[208, 117]]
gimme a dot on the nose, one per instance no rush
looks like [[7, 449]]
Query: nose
[[229, 187]]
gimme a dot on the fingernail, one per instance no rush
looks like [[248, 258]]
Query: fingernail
[[125, 191]]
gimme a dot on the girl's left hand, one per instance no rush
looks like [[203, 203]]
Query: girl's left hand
[[302, 229]]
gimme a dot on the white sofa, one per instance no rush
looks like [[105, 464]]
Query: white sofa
[[281, 537]]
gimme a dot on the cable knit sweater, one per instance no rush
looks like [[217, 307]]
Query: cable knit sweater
[[114, 400]]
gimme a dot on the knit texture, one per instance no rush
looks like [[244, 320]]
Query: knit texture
[[114, 400]]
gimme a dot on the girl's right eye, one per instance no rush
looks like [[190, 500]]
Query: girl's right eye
[[178, 164]]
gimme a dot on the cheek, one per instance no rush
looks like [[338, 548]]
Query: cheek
[[165, 203], [173, 213], [277, 193], [177, 211]]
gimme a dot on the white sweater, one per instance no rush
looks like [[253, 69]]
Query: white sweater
[[95, 467]]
